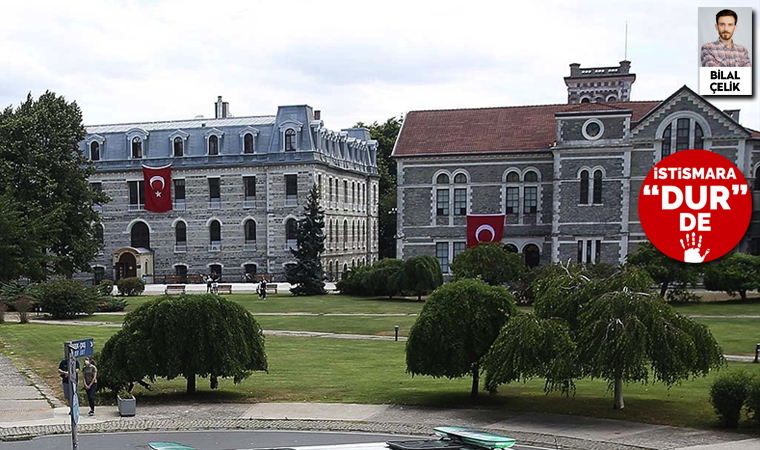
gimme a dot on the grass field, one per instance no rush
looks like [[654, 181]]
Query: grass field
[[337, 370], [736, 336]]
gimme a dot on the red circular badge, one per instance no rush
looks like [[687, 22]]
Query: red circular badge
[[695, 206]]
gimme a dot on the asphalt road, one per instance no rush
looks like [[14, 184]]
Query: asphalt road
[[205, 440]]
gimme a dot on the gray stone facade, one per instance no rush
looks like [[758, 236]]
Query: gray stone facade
[[576, 219], [342, 163]]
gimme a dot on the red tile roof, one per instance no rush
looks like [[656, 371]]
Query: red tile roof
[[493, 130]]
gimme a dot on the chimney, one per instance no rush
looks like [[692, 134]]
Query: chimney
[[734, 113], [221, 109], [575, 70], [625, 66], [317, 115]]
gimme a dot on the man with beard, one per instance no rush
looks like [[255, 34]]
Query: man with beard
[[724, 52]]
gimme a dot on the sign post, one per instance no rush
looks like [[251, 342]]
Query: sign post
[[72, 351]]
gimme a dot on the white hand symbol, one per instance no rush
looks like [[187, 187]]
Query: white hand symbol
[[691, 250]]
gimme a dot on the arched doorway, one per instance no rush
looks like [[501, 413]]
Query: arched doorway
[[532, 255], [127, 266]]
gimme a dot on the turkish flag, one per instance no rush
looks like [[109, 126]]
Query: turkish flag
[[484, 228], [158, 188]]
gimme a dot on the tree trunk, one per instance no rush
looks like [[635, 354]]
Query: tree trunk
[[475, 380], [214, 382], [419, 297], [743, 294], [191, 383], [619, 394], [664, 288]]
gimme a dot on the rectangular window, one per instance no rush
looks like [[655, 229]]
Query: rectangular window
[[442, 202], [250, 187], [442, 253], [459, 247], [345, 192], [682, 134], [531, 200], [97, 186], [179, 194], [329, 182], [513, 200], [319, 183], [136, 196], [291, 190], [214, 193], [597, 251], [590, 251], [460, 202]]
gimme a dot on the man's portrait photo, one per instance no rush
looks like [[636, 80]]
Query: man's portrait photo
[[727, 40]]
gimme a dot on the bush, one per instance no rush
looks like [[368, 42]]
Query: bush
[[130, 287], [491, 262], [105, 287], [727, 395], [377, 279], [355, 282], [23, 305], [111, 304], [64, 299], [753, 400]]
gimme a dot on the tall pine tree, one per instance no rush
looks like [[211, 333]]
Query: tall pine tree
[[307, 275]]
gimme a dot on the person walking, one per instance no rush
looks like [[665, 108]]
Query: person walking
[[63, 371], [90, 373], [263, 289]]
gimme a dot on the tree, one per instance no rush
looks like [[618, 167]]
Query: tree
[[46, 175], [662, 268], [455, 329], [420, 275], [736, 272], [489, 262], [188, 336], [307, 274], [385, 134]]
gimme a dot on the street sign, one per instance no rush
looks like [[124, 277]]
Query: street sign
[[82, 348]]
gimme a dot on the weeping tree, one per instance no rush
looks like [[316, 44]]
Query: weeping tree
[[612, 328], [490, 262], [185, 336], [420, 275], [455, 329]]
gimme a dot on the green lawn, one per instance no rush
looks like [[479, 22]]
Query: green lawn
[[750, 307], [736, 336], [337, 370]]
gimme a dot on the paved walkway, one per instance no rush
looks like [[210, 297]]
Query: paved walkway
[[29, 409]]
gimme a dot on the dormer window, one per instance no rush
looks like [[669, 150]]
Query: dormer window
[[290, 140], [137, 148], [213, 145], [248, 143], [95, 151], [179, 148]]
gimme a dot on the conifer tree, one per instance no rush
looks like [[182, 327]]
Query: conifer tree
[[307, 275]]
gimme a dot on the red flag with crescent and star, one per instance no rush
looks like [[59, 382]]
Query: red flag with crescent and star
[[158, 188], [484, 228]]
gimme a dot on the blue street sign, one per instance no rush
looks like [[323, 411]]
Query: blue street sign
[[82, 348]]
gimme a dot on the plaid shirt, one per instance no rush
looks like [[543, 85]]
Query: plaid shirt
[[717, 54]]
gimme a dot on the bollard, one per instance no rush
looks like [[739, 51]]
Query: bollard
[[396, 327], [757, 352]]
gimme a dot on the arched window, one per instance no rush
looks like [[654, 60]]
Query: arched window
[[460, 195], [95, 151], [215, 268], [140, 235], [215, 234], [530, 195], [666, 141], [248, 143], [330, 234], [290, 140], [345, 233], [179, 147], [597, 187], [213, 145], [460, 178], [353, 233], [513, 194], [98, 233], [531, 176], [584, 187], [442, 196], [532, 255], [682, 134], [250, 231], [512, 248], [757, 179], [180, 235], [291, 232], [180, 270], [330, 271], [442, 179], [136, 147], [585, 100], [698, 136], [250, 269]]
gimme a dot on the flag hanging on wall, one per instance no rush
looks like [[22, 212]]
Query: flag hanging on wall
[[482, 228], [158, 188]]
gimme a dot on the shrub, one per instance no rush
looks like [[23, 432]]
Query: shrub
[[105, 287], [355, 282], [3, 309], [490, 262], [130, 287], [378, 279], [111, 304], [728, 394], [65, 299], [753, 400], [23, 305], [420, 275]]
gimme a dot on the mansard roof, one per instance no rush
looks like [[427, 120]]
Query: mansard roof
[[494, 130], [183, 124]]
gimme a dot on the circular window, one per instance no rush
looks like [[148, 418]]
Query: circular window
[[593, 129]]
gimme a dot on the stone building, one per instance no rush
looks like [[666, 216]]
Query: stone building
[[238, 186], [567, 176]]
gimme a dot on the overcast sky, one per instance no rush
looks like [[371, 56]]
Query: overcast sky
[[126, 61]]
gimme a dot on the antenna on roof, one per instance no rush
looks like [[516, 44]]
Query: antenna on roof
[[625, 58]]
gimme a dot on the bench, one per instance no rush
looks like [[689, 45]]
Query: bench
[[224, 289], [174, 289], [194, 279], [271, 288]]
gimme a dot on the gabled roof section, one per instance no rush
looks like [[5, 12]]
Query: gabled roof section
[[494, 130]]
